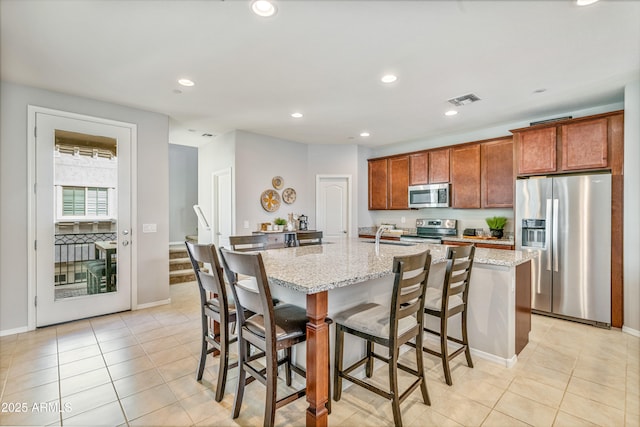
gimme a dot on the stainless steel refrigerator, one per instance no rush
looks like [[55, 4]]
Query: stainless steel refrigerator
[[567, 220]]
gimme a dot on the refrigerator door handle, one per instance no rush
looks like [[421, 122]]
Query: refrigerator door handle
[[547, 232], [555, 235]]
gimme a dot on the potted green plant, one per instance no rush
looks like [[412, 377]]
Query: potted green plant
[[496, 225], [280, 222]]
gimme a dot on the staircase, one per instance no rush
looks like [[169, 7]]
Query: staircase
[[180, 269]]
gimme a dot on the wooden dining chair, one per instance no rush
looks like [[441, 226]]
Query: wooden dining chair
[[448, 301], [269, 328], [391, 326], [306, 238], [250, 242], [217, 311]]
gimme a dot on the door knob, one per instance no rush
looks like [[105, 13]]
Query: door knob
[[125, 232], [125, 243]]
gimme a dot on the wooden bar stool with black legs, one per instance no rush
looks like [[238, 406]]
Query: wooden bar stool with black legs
[[449, 301], [270, 328], [217, 311], [391, 327], [250, 242]]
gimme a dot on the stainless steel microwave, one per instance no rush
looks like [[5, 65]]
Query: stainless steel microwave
[[429, 196]]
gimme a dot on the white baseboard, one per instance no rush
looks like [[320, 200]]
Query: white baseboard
[[14, 331], [153, 304], [507, 363], [630, 331]]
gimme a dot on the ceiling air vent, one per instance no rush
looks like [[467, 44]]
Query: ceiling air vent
[[464, 100]]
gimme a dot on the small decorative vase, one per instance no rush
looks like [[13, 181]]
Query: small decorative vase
[[496, 233]]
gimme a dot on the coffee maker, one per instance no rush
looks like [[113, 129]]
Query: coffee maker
[[303, 222]]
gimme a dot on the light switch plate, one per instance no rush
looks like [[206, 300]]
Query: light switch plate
[[149, 228], [246, 224]]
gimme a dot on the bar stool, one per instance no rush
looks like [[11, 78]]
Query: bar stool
[[391, 327], [269, 328], [449, 301], [251, 242], [217, 309]]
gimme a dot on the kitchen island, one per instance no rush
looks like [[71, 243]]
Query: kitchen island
[[338, 274]]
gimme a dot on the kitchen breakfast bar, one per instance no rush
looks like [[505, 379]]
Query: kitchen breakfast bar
[[338, 274]]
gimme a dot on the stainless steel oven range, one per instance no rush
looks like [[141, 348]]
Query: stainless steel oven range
[[432, 231]]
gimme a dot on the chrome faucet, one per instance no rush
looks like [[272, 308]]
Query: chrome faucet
[[379, 234]]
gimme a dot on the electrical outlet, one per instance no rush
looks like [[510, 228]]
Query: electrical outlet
[[403, 220]]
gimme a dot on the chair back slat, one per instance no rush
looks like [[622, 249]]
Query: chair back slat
[[306, 238], [410, 283], [457, 273], [252, 293], [252, 242], [211, 281]]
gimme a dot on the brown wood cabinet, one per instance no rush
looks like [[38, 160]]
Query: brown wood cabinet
[[377, 184], [584, 145], [536, 151], [496, 158], [419, 168], [389, 183], [429, 167], [465, 176], [571, 145], [439, 166], [479, 245], [398, 184]]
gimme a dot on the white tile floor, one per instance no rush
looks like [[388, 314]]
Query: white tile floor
[[138, 368]]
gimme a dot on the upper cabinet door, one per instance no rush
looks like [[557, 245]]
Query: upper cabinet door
[[439, 166], [419, 168], [398, 186], [378, 184], [465, 176], [536, 151], [497, 173], [584, 145]]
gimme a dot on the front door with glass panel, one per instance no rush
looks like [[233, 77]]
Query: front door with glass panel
[[83, 250]]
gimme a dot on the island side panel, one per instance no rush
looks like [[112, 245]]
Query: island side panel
[[317, 359], [491, 319], [523, 305]]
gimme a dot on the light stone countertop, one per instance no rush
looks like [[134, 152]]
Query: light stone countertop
[[339, 263]]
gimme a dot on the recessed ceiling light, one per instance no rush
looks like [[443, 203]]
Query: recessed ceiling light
[[585, 2], [186, 82], [296, 115], [365, 134], [263, 8], [451, 113], [389, 78]]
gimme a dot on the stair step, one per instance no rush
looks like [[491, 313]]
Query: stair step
[[181, 276], [179, 264], [175, 252]]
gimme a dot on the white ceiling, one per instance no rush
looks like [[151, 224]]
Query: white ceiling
[[325, 59]]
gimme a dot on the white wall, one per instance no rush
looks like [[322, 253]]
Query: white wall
[[334, 160], [183, 191], [631, 208], [215, 156], [258, 159], [152, 202]]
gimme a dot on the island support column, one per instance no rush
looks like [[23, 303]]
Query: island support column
[[317, 359]]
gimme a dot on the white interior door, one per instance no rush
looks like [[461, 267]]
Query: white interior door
[[333, 199], [82, 210], [222, 207]]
